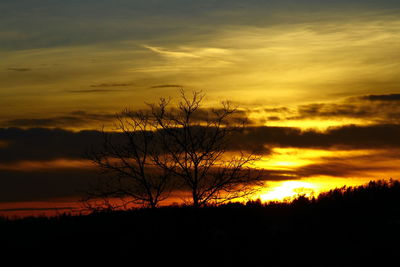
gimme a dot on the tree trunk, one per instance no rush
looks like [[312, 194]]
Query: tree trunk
[[196, 203], [153, 205]]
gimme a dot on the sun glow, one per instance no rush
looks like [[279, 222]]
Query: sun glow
[[309, 187], [288, 189], [309, 172]]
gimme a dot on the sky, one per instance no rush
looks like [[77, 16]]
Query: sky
[[318, 80]]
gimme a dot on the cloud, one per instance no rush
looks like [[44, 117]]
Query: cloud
[[47, 144], [65, 183], [345, 137], [302, 51], [373, 164], [86, 22], [273, 118], [389, 97], [94, 91], [339, 169], [19, 69], [84, 119], [173, 54], [3, 144], [16, 186], [280, 175], [45, 165], [324, 110], [111, 85], [72, 119], [206, 114], [40, 164], [277, 110], [382, 109], [167, 86], [47, 122]]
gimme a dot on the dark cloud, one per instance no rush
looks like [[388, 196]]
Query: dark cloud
[[390, 97], [73, 119], [167, 86], [374, 165], [277, 110], [70, 183], [273, 118], [111, 85], [47, 122], [280, 175], [374, 108], [48, 23], [85, 119], [40, 145], [93, 116], [333, 110], [95, 91], [19, 69], [364, 165], [346, 137], [338, 169], [16, 186], [46, 144], [330, 167], [204, 115]]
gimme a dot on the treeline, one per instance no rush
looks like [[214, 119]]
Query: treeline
[[349, 226], [379, 193]]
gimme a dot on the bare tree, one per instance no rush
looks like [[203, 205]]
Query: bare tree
[[197, 143], [126, 158], [180, 147]]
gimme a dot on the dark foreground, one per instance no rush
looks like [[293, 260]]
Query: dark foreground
[[348, 227]]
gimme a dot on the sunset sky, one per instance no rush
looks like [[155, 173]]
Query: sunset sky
[[319, 82]]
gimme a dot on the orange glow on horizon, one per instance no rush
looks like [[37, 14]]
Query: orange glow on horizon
[[296, 170], [311, 187], [357, 166], [50, 207], [273, 191]]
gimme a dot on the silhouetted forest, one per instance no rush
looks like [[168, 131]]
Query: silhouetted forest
[[350, 226]]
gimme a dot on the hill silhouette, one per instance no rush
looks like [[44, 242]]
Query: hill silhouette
[[349, 226]]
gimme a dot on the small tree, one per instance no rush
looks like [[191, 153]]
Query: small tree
[[197, 142], [126, 158]]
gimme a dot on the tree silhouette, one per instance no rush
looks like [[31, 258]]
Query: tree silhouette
[[126, 159], [197, 143], [183, 147]]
